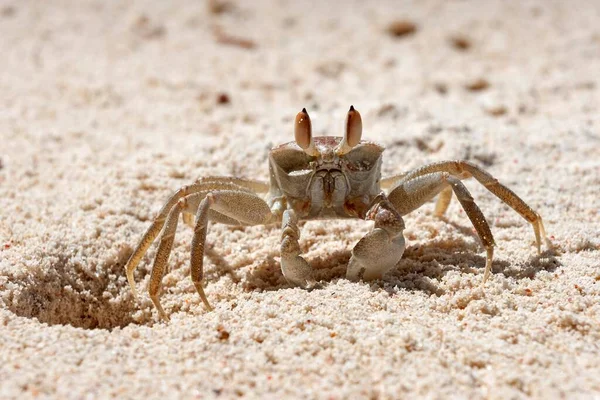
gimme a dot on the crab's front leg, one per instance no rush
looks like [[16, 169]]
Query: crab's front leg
[[411, 194], [226, 206], [295, 269], [381, 249]]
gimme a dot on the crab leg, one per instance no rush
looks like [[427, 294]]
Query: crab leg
[[244, 207], [157, 224], [443, 201], [162, 255], [254, 185], [294, 267], [185, 205], [381, 249], [411, 194], [465, 169], [391, 181]]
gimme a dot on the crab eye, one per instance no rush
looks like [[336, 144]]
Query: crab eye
[[352, 134], [353, 127], [303, 129], [303, 133]]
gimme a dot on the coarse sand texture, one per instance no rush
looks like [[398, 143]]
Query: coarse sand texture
[[107, 108]]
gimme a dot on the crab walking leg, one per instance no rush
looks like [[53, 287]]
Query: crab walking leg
[[390, 181], [245, 207], [411, 194], [294, 267], [188, 219], [251, 184], [465, 169], [155, 228], [183, 206], [162, 255], [443, 201], [381, 249]]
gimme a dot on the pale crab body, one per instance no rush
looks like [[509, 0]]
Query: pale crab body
[[330, 186], [319, 178]]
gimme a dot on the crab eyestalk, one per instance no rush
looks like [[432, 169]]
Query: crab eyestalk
[[352, 133], [303, 133]]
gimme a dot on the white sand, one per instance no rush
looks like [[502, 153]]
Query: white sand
[[106, 109]]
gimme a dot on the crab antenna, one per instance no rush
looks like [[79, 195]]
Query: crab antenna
[[303, 133], [352, 133]]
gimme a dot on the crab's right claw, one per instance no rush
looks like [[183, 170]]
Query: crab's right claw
[[381, 249]]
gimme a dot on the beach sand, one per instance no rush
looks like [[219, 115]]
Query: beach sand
[[107, 108]]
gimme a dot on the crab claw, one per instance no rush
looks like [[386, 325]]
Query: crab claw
[[352, 133], [303, 133]]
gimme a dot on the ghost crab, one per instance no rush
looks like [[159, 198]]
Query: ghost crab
[[316, 178]]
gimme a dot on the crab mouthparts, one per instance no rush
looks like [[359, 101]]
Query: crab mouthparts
[[329, 185], [328, 188]]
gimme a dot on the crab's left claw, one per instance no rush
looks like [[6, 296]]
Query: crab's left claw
[[381, 249]]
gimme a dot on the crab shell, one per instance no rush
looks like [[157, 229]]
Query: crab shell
[[328, 185]]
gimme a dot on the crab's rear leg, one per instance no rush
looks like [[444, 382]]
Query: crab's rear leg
[[412, 193], [381, 249]]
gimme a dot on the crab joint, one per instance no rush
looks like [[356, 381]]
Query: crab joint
[[352, 133], [303, 133]]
